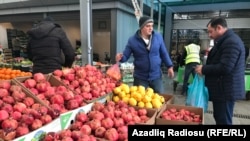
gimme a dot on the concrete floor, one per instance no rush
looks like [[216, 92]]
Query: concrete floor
[[241, 111]]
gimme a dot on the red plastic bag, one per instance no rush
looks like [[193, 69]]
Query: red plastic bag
[[114, 72]]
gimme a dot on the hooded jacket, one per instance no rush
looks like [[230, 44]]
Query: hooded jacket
[[225, 68], [46, 44], [147, 62]]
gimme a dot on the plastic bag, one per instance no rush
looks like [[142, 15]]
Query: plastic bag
[[114, 71], [197, 94]]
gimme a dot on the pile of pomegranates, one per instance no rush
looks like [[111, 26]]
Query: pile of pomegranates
[[59, 98], [181, 115], [105, 121], [87, 81], [19, 113]]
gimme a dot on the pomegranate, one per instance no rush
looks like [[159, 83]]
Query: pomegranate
[[18, 95], [85, 129], [3, 115], [8, 99], [107, 123], [5, 85], [39, 77], [3, 92], [94, 124], [111, 134], [99, 132], [65, 133], [22, 130], [36, 124], [28, 101], [82, 117], [58, 73], [16, 115], [9, 124], [30, 83]]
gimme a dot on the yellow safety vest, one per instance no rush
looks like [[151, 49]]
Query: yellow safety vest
[[193, 53]]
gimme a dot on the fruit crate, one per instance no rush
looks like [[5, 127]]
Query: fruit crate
[[192, 110]]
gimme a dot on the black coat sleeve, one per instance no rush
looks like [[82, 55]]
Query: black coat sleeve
[[67, 49]]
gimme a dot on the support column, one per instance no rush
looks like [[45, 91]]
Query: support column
[[86, 31]]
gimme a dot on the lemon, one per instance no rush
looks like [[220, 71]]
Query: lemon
[[141, 89], [132, 102], [150, 94], [156, 96], [125, 88], [128, 95], [125, 99], [138, 97], [148, 105], [133, 88], [141, 104], [162, 99], [150, 90], [116, 98], [117, 90], [146, 99], [122, 94], [133, 94], [156, 103]]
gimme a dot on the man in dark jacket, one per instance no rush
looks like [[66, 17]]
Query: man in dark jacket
[[149, 51], [45, 47], [224, 71]]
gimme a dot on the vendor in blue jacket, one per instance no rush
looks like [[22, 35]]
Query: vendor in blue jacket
[[149, 52]]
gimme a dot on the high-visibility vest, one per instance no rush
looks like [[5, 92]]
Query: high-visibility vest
[[193, 53]]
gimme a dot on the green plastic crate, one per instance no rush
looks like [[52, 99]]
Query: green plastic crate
[[180, 75], [247, 80]]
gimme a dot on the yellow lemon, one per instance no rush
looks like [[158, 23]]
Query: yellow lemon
[[138, 97], [125, 88], [150, 90], [141, 89], [128, 95], [125, 99], [156, 103], [133, 94], [162, 99], [148, 105], [133, 88], [116, 98], [117, 90], [156, 96], [141, 104], [150, 94], [122, 94], [132, 102], [146, 99]]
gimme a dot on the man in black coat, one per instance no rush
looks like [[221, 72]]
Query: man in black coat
[[46, 44], [224, 71]]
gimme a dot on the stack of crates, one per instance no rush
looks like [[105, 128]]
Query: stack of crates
[[7, 54]]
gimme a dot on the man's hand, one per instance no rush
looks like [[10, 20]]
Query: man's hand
[[170, 72], [198, 69], [118, 57]]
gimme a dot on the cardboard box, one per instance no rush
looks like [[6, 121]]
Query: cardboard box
[[151, 113], [36, 135], [196, 110], [169, 98], [66, 119]]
